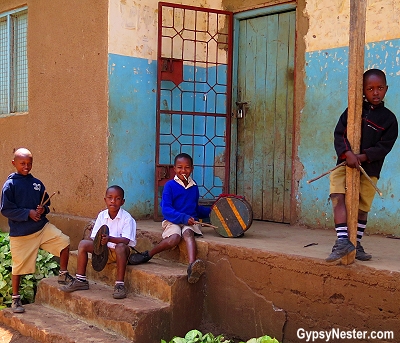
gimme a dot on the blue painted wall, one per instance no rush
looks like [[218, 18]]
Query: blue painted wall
[[132, 126], [325, 99]]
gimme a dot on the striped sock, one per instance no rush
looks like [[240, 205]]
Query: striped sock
[[80, 277], [119, 283], [361, 225], [15, 296], [341, 230]]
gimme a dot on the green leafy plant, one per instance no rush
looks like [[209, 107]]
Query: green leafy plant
[[46, 266], [263, 339], [195, 336]]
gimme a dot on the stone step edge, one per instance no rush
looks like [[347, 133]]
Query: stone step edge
[[47, 325], [157, 278], [97, 307]]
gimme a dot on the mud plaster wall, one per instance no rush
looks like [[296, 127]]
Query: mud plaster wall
[[250, 291], [132, 72], [326, 62], [66, 126], [254, 293]]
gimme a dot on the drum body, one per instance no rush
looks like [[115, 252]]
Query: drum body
[[232, 215]]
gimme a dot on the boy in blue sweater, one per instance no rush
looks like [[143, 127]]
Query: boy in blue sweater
[[29, 228], [181, 210]]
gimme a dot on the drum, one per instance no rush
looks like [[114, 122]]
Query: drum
[[232, 215]]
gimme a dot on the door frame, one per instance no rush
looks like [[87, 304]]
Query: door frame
[[234, 139]]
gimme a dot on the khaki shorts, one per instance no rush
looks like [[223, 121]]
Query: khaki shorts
[[367, 191], [112, 256], [24, 249], [171, 229]]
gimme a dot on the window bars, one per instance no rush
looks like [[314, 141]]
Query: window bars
[[13, 62]]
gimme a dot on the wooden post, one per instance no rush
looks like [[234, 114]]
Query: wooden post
[[356, 70]]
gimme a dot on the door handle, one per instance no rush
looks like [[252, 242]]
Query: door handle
[[241, 109]]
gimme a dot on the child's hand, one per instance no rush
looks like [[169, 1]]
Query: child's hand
[[104, 239], [34, 215], [351, 160], [191, 221], [362, 157], [40, 209]]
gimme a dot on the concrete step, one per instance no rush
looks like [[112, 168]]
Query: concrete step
[[160, 279], [156, 278], [47, 325], [160, 303], [138, 318]]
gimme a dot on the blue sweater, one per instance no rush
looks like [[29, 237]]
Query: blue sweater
[[178, 203], [20, 194]]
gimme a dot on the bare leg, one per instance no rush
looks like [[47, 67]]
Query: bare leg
[[122, 251], [85, 247], [166, 244], [362, 215], [15, 280], [191, 247], [64, 256], [339, 208]]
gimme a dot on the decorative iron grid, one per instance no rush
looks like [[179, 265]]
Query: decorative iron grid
[[193, 95]]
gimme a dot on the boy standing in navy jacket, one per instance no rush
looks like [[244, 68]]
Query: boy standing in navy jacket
[[379, 132], [180, 209], [30, 230]]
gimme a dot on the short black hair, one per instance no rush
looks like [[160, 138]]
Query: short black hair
[[376, 72], [183, 155], [118, 188]]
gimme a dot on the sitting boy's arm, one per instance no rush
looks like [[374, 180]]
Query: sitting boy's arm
[[203, 212], [168, 210], [129, 230]]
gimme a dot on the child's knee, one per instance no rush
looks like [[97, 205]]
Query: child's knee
[[337, 199], [85, 245], [174, 240], [121, 249]]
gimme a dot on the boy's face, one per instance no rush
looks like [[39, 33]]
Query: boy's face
[[183, 168], [114, 200], [374, 89], [23, 164]]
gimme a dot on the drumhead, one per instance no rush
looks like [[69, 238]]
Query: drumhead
[[232, 215]]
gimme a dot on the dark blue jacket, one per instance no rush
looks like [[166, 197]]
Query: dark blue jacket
[[20, 194]]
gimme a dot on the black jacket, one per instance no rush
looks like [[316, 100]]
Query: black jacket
[[379, 132]]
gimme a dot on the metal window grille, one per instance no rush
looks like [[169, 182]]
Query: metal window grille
[[13, 62]]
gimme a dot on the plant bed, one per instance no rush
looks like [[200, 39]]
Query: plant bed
[[195, 336], [46, 266]]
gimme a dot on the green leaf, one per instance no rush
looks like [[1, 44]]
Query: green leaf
[[179, 340], [193, 334]]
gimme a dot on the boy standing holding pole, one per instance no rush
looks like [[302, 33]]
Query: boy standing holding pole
[[379, 130]]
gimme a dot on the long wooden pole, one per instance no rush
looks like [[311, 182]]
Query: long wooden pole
[[358, 9]]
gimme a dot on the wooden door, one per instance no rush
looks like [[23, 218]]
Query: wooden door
[[265, 63]]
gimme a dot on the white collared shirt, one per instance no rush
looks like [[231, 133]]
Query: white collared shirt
[[123, 225], [190, 181]]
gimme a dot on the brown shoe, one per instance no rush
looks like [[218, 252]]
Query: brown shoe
[[195, 270], [65, 278], [16, 306], [119, 292]]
